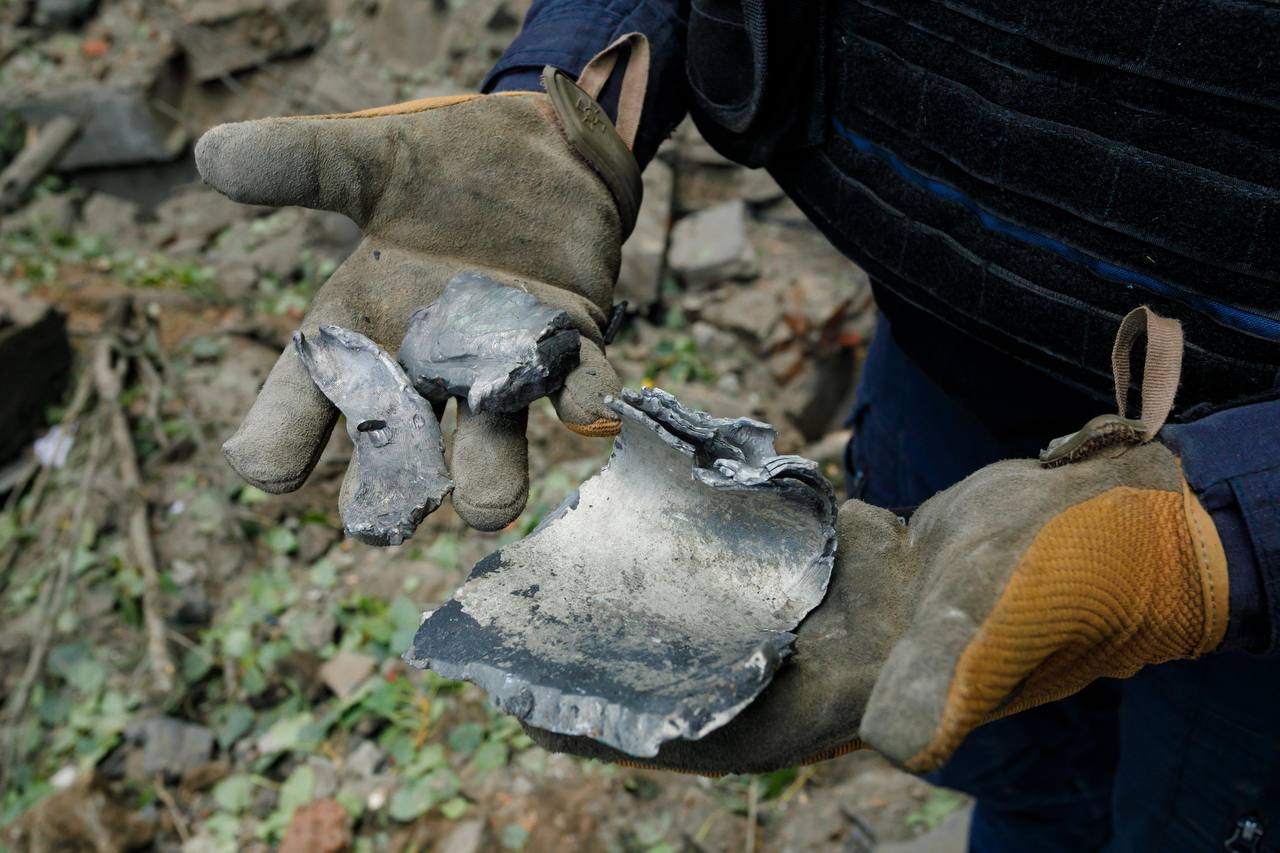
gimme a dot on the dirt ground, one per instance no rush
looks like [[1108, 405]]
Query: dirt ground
[[191, 664]]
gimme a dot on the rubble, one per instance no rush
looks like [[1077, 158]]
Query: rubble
[[712, 246], [344, 672], [318, 827], [707, 545], [123, 99], [170, 747], [644, 253], [497, 347], [399, 452], [35, 357], [223, 36]]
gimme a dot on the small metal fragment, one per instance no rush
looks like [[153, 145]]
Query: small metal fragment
[[496, 346], [657, 601], [399, 451]]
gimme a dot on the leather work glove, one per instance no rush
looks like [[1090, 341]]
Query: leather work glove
[[1016, 587], [533, 190]]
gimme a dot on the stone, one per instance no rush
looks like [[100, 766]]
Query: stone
[[644, 253], [751, 312], [409, 35], [322, 826], [190, 219], [365, 760], [758, 188], [465, 837], [223, 36], [326, 776], [48, 214], [314, 541], [62, 14], [495, 346], [35, 362], [697, 536], [112, 219], [345, 671], [712, 246], [400, 472], [119, 122], [170, 747]]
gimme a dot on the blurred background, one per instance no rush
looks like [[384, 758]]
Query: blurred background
[[189, 664]]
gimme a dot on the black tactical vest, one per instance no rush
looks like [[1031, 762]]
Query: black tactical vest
[[1026, 173]]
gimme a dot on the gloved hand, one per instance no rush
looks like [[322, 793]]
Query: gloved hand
[[534, 190], [1017, 586]]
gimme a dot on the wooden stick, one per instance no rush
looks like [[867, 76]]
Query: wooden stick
[[37, 157], [107, 378]]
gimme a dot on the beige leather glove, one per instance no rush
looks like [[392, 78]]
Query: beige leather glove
[[534, 190], [1017, 586]]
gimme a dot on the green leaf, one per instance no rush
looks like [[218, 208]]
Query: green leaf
[[490, 756], [285, 734], [417, 797], [298, 789], [237, 642], [230, 723], [234, 794], [454, 809], [196, 663], [324, 574], [281, 540], [405, 616], [252, 496], [466, 737], [934, 810], [514, 836]]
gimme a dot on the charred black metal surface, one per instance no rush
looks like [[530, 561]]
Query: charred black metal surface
[[399, 452], [658, 600], [496, 346]]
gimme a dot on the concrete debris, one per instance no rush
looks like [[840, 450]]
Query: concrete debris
[[123, 99], [187, 221], [495, 346], [35, 357], [170, 747], [712, 246], [399, 452], [222, 36], [644, 253], [365, 760], [62, 14], [112, 219], [697, 536], [322, 826], [465, 837], [48, 214], [345, 671]]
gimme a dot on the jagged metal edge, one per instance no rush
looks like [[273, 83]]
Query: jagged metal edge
[[659, 412]]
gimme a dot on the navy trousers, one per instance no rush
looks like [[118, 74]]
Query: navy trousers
[[1183, 756]]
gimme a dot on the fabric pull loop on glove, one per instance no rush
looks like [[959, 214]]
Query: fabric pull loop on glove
[[1161, 370], [635, 81]]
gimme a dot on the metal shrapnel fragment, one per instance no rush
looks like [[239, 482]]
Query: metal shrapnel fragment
[[399, 452], [496, 346], [657, 601]]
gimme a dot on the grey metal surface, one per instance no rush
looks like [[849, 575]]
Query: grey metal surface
[[399, 452], [496, 346], [659, 599]]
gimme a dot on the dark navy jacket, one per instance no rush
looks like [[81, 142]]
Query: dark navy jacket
[[1231, 456]]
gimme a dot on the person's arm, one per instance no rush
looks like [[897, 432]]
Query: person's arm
[[565, 34], [1232, 461]]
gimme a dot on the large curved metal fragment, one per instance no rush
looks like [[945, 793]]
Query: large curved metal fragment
[[401, 475], [496, 346], [658, 600]]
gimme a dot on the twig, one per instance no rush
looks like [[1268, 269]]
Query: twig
[[32, 162], [79, 399], [107, 380], [179, 822], [155, 390], [753, 805], [51, 595]]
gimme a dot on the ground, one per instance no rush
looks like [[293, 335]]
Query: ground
[[287, 719]]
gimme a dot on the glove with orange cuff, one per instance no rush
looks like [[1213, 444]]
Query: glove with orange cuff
[[536, 190], [1018, 586]]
